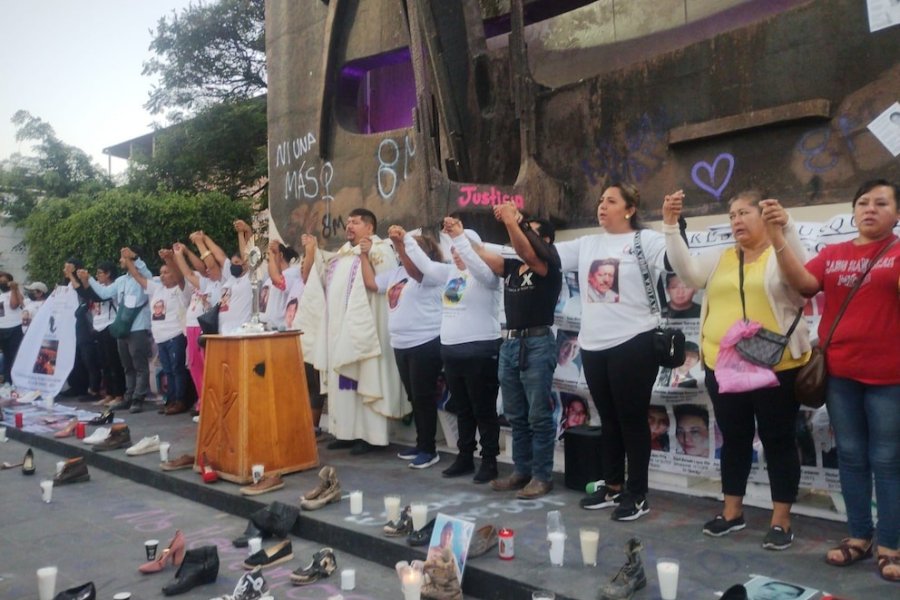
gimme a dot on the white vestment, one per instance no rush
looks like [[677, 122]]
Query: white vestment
[[351, 347]]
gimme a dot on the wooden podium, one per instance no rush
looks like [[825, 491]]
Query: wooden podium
[[256, 406]]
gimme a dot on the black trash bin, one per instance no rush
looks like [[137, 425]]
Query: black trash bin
[[582, 448]]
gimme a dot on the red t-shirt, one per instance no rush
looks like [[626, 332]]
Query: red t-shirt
[[866, 343]]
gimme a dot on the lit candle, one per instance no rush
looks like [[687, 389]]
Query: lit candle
[[356, 502], [419, 513], [412, 585]]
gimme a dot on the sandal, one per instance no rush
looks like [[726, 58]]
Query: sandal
[[850, 553], [886, 560], [322, 565]]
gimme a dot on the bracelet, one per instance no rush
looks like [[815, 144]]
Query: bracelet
[[778, 250], [203, 255]]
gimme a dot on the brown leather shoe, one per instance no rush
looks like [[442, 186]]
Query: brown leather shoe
[[176, 408], [185, 461], [268, 483], [119, 437], [535, 489], [74, 471], [483, 540], [515, 481]]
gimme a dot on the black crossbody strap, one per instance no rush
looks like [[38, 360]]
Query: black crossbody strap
[[645, 274], [793, 326]]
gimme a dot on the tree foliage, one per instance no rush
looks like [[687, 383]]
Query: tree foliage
[[56, 169], [223, 148], [208, 54], [96, 227]]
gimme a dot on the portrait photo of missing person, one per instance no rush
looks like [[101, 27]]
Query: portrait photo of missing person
[[159, 311], [264, 297], [680, 299], [394, 292], [568, 356], [765, 588], [568, 307], [658, 420], [603, 280], [290, 313], [692, 429], [575, 412], [685, 376], [45, 363]]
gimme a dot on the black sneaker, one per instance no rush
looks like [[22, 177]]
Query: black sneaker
[[463, 465], [602, 498], [778, 538], [721, 526], [487, 471], [631, 507]]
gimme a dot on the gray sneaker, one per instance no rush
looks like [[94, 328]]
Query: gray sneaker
[[778, 538]]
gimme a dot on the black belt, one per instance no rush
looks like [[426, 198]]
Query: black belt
[[528, 332]]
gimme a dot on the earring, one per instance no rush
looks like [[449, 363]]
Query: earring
[[627, 216]]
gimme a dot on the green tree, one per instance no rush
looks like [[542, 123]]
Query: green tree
[[55, 170], [95, 227], [208, 54]]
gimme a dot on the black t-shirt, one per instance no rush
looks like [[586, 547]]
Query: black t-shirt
[[529, 299]]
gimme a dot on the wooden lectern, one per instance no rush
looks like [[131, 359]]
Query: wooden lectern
[[256, 406]]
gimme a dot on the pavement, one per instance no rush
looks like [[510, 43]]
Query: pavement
[[95, 530]]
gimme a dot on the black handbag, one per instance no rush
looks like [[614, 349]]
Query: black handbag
[[209, 320], [766, 347], [668, 342], [125, 316]]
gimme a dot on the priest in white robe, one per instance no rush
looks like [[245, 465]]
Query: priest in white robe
[[351, 347]]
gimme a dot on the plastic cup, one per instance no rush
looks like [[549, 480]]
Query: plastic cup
[[254, 545], [348, 579], [47, 490], [542, 595], [590, 539], [59, 466], [392, 507], [164, 451], [557, 547], [257, 472], [46, 581], [2, 434], [667, 572], [48, 403], [356, 502], [150, 547], [419, 514]]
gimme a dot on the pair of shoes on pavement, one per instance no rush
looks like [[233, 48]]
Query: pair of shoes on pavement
[[418, 459], [626, 506], [528, 488], [777, 538], [465, 464]]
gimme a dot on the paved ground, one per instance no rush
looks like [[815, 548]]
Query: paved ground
[[95, 530]]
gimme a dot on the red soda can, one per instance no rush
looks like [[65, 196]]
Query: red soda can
[[19, 420], [507, 543], [79, 430]]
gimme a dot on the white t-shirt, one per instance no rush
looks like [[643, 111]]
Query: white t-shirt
[[273, 301], [292, 304], [414, 308], [614, 304], [202, 299], [9, 317], [236, 302], [30, 310], [103, 313], [168, 307], [470, 299]]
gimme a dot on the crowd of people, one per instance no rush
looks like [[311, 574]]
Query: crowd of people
[[383, 319]]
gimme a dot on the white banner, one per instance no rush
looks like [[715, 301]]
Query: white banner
[[47, 353]]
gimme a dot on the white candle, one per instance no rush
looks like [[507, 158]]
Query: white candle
[[590, 539], [348, 579], [412, 585], [667, 572], [557, 547], [419, 513], [356, 502], [392, 507]]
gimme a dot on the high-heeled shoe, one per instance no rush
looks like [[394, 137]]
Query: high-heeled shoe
[[105, 418], [68, 430], [206, 470], [28, 463], [174, 553]]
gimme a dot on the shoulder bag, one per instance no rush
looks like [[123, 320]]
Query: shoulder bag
[[766, 347], [809, 387], [125, 317], [668, 342]]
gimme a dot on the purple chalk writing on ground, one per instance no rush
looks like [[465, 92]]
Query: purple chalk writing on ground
[[711, 170]]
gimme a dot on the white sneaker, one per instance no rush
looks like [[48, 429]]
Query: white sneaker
[[145, 446], [100, 434], [196, 419]]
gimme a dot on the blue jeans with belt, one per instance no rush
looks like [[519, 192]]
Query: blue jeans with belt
[[527, 404], [866, 423]]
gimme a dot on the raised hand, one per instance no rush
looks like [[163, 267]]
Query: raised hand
[[365, 244], [309, 242], [241, 227], [507, 213], [396, 233], [83, 275], [453, 227], [672, 206], [165, 254], [178, 248]]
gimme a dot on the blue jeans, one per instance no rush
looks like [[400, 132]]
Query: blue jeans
[[527, 403], [171, 358], [866, 423]]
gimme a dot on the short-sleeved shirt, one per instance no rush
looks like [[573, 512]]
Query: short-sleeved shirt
[[167, 310], [9, 317], [414, 308], [864, 345], [235, 306], [529, 298]]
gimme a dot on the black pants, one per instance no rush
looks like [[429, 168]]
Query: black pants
[[314, 387], [473, 386], [10, 339], [621, 380], [111, 366], [772, 412], [89, 355], [420, 367]]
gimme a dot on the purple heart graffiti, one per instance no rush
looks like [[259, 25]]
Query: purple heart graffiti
[[710, 169]]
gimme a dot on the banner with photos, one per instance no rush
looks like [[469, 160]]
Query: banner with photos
[[684, 435]]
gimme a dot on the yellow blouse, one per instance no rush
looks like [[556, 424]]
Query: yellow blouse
[[724, 306]]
